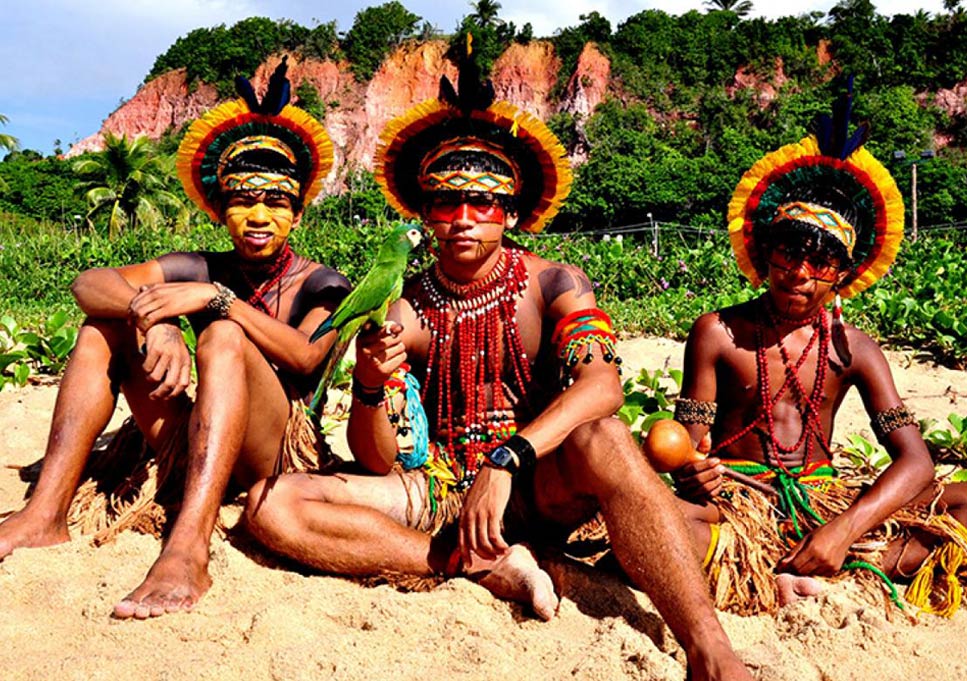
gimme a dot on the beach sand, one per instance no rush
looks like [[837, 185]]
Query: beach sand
[[261, 620]]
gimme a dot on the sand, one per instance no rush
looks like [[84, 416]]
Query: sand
[[263, 621]]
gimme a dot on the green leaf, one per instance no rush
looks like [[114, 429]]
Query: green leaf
[[21, 373], [55, 322]]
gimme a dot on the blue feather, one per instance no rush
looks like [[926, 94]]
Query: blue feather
[[245, 90], [279, 90], [832, 132], [276, 96]]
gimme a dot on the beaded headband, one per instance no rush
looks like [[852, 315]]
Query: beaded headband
[[463, 180], [821, 217], [293, 149], [828, 158], [542, 173]]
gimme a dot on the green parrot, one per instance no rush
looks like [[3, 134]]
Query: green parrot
[[369, 301]]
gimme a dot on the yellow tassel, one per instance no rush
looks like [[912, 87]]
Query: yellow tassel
[[950, 559], [469, 43]]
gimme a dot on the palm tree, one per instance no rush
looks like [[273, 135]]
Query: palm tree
[[129, 181], [740, 7], [8, 142], [485, 13]]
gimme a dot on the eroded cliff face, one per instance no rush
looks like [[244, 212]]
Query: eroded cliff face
[[525, 75], [166, 102], [355, 112]]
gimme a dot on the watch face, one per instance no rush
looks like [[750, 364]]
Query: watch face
[[500, 456]]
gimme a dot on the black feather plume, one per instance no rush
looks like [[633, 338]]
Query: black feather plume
[[472, 92], [276, 97], [245, 90], [279, 90], [832, 132]]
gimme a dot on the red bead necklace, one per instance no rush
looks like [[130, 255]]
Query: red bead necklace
[[271, 274], [808, 404], [473, 329]]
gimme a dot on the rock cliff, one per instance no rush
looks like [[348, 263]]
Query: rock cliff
[[356, 112]]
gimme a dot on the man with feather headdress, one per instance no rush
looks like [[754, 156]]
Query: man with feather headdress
[[251, 165], [499, 428], [816, 221]]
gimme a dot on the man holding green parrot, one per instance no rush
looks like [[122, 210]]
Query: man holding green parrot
[[482, 411]]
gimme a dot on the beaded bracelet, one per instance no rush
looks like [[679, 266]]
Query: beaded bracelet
[[886, 421], [368, 397], [221, 302], [688, 410]]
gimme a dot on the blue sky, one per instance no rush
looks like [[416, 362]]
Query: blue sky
[[67, 64]]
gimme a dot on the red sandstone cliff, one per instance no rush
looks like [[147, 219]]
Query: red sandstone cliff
[[524, 75], [356, 112]]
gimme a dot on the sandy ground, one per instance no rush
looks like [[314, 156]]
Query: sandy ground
[[260, 621]]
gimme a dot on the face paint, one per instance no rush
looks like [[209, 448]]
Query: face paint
[[259, 222], [470, 209], [468, 227]]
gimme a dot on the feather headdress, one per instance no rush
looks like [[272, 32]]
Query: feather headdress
[[293, 149], [467, 116], [831, 157]]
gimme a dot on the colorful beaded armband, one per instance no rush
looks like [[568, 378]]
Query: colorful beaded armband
[[688, 410], [582, 330], [886, 421]]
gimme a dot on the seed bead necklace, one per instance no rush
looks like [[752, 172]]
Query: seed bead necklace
[[808, 404], [271, 274], [473, 328]]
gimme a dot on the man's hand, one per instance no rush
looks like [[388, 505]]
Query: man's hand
[[379, 352], [481, 520], [821, 552], [699, 481], [167, 361], [160, 302]]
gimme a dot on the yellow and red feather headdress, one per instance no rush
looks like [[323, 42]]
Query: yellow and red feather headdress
[[303, 146], [831, 156], [542, 173]]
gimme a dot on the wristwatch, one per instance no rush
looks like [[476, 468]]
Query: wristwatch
[[504, 457]]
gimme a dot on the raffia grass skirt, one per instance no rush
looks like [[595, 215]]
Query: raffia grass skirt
[[741, 571], [129, 486]]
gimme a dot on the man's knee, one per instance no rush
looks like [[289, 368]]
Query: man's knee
[[602, 452], [270, 502], [219, 339]]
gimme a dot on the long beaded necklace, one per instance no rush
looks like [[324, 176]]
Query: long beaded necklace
[[808, 404], [473, 328], [272, 274]]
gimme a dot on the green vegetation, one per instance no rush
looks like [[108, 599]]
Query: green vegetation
[[130, 183], [694, 101], [919, 304], [8, 142], [216, 55], [491, 34], [376, 31]]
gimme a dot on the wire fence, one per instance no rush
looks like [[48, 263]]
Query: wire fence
[[658, 227]]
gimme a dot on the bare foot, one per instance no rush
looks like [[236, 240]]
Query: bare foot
[[176, 582], [794, 588], [23, 531], [516, 576]]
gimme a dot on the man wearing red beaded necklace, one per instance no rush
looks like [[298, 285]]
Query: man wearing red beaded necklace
[[252, 310], [764, 379], [509, 456]]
